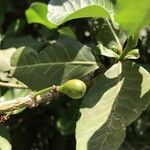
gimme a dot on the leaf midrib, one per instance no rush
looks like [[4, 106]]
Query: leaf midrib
[[58, 63]]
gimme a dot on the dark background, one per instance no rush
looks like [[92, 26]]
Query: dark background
[[36, 129]]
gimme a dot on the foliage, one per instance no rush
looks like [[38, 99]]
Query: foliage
[[49, 43]]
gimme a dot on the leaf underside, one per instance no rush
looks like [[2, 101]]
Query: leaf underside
[[111, 105], [130, 15], [77, 9]]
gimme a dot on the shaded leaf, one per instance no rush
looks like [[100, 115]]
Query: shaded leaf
[[111, 105], [77, 9], [63, 60], [21, 41], [128, 19], [109, 35], [37, 13], [67, 31]]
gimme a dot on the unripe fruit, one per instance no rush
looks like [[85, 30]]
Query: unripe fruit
[[74, 88]]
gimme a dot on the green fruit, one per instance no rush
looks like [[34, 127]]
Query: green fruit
[[74, 89]]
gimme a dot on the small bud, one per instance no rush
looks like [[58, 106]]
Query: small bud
[[74, 88]]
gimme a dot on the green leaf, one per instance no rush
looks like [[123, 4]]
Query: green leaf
[[37, 13], [67, 31], [109, 35], [128, 19], [113, 103], [107, 52], [132, 15], [133, 54], [4, 138], [5, 56], [21, 41], [69, 9], [63, 60]]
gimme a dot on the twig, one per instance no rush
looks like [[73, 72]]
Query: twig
[[7, 106], [34, 99], [13, 85], [28, 101]]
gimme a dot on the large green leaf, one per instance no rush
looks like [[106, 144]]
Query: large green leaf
[[113, 103], [60, 11], [62, 60], [37, 13], [4, 138], [132, 15]]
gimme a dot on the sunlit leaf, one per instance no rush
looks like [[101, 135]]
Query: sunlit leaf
[[133, 54], [132, 15], [4, 138], [60, 11], [37, 13], [111, 105]]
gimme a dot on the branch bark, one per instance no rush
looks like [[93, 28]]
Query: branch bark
[[27, 101], [34, 99]]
